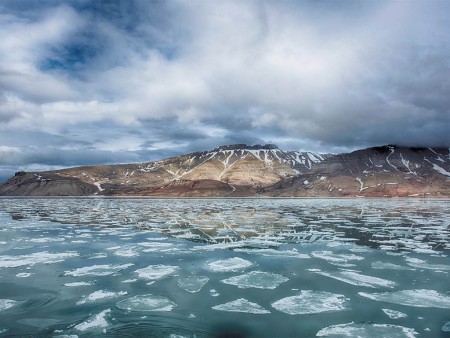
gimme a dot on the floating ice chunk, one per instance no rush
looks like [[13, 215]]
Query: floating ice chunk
[[231, 264], [329, 256], [76, 284], [446, 327], [24, 274], [146, 303], [100, 295], [389, 266], [421, 264], [97, 270], [257, 279], [97, 321], [158, 271], [46, 240], [35, 258], [214, 293], [157, 246], [7, 303], [275, 253], [394, 314], [354, 278], [132, 280], [367, 330], [308, 302], [192, 284], [416, 298], [241, 305], [127, 252]]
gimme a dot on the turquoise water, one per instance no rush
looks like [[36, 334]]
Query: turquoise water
[[224, 267]]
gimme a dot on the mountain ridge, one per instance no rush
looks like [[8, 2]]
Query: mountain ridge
[[258, 170]]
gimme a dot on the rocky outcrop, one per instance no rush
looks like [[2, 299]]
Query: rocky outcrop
[[261, 170]]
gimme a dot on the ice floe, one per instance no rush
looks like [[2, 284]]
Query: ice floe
[[275, 253], [241, 305], [257, 279], [192, 284], [101, 295], [354, 278], [309, 302], [97, 321], [77, 284], [367, 330], [416, 298], [332, 257], [24, 274], [421, 264], [146, 303], [446, 327], [97, 270], [7, 303], [158, 271], [230, 264], [35, 258], [389, 266], [394, 314]]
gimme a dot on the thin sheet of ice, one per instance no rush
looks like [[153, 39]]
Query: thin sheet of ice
[[367, 330], [192, 284], [97, 321], [35, 258], [355, 278], [394, 314], [275, 253], [257, 279], [7, 303], [416, 298], [97, 270], [446, 327], [389, 266], [241, 305], [153, 272], [231, 264], [24, 274], [76, 284], [101, 295], [309, 302], [330, 256], [421, 264], [146, 303]]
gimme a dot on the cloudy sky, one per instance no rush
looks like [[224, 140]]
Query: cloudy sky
[[88, 82]]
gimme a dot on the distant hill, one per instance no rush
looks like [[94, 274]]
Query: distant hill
[[241, 170]]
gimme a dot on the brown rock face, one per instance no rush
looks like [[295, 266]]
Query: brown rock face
[[241, 170]]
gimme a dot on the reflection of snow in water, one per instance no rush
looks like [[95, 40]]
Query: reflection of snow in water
[[241, 305], [309, 302], [367, 330], [416, 298], [257, 279]]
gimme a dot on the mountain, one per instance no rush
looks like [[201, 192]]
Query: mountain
[[241, 170]]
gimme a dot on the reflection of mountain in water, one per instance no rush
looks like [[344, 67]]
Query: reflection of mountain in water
[[418, 226]]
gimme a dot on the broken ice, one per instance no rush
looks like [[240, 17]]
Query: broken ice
[[231, 264], [146, 303], [309, 302], [416, 298], [192, 284], [367, 330], [257, 279], [241, 305]]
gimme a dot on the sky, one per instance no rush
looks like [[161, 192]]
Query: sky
[[90, 82]]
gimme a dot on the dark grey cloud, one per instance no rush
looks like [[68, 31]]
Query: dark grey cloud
[[84, 82]]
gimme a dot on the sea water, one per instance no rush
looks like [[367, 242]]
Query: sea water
[[74, 267]]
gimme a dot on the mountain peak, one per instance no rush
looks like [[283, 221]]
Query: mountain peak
[[245, 146]]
